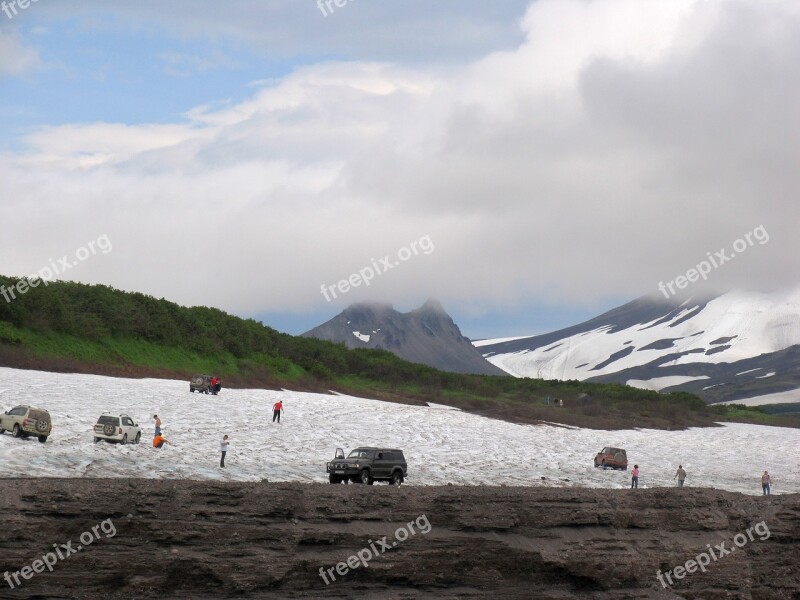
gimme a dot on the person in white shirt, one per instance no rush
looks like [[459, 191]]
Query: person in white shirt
[[223, 448]]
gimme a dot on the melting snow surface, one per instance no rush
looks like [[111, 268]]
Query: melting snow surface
[[441, 446]]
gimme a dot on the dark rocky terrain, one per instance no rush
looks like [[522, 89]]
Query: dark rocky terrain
[[426, 335], [189, 539]]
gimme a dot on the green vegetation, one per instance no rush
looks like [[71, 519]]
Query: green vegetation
[[70, 326]]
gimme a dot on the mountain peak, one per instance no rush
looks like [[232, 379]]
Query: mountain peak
[[426, 335], [432, 305]]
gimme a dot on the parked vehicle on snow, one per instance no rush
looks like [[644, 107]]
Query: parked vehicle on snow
[[611, 458], [368, 465], [24, 420], [205, 384], [117, 428]]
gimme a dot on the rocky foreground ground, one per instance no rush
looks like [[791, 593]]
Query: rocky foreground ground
[[189, 539]]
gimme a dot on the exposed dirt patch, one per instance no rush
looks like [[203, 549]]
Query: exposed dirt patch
[[184, 539]]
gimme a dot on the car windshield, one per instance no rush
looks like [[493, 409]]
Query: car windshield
[[106, 420], [358, 453]]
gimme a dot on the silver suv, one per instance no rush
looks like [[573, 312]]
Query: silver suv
[[23, 421], [117, 428]]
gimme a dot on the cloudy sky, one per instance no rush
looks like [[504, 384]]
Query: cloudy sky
[[528, 163]]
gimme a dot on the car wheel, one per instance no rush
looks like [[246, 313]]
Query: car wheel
[[2, 431], [138, 437], [603, 464], [191, 389], [365, 478], [43, 438], [333, 478], [97, 439], [16, 432], [397, 478], [124, 439]]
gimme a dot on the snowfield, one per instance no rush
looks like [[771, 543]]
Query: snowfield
[[441, 445], [751, 323]]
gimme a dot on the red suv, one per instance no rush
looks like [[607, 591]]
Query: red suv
[[614, 458]]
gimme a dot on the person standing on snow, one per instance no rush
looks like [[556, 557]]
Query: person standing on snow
[[223, 448], [680, 475], [277, 408], [158, 425], [765, 483], [635, 477]]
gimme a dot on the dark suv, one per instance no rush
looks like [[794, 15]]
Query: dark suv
[[368, 465], [614, 458]]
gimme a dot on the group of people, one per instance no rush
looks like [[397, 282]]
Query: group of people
[[680, 475], [159, 440]]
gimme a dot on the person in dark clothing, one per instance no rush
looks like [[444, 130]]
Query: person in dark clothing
[[277, 409]]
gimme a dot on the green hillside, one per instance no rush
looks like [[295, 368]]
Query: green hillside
[[68, 326]]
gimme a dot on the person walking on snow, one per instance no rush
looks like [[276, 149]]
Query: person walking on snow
[[680, 475], [635, 477], [223, 448], [765, 483], [277, 409]]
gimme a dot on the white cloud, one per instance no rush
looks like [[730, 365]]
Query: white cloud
[[15, 58], [610, 151]]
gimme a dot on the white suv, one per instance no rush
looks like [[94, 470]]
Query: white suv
[[117, 428], [23, 421]]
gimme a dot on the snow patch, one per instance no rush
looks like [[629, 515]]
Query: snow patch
[[659, 383], [433, 440], [364, 337]]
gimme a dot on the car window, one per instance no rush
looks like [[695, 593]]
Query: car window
[[108, 420], [18, 411], [38, 414], [127, 422]]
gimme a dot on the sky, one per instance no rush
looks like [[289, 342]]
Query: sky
[[530, 164]]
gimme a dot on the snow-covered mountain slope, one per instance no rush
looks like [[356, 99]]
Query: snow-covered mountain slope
[[696, 345], [441, 445]]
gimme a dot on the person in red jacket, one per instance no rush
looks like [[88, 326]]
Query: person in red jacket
[[277, 408]]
